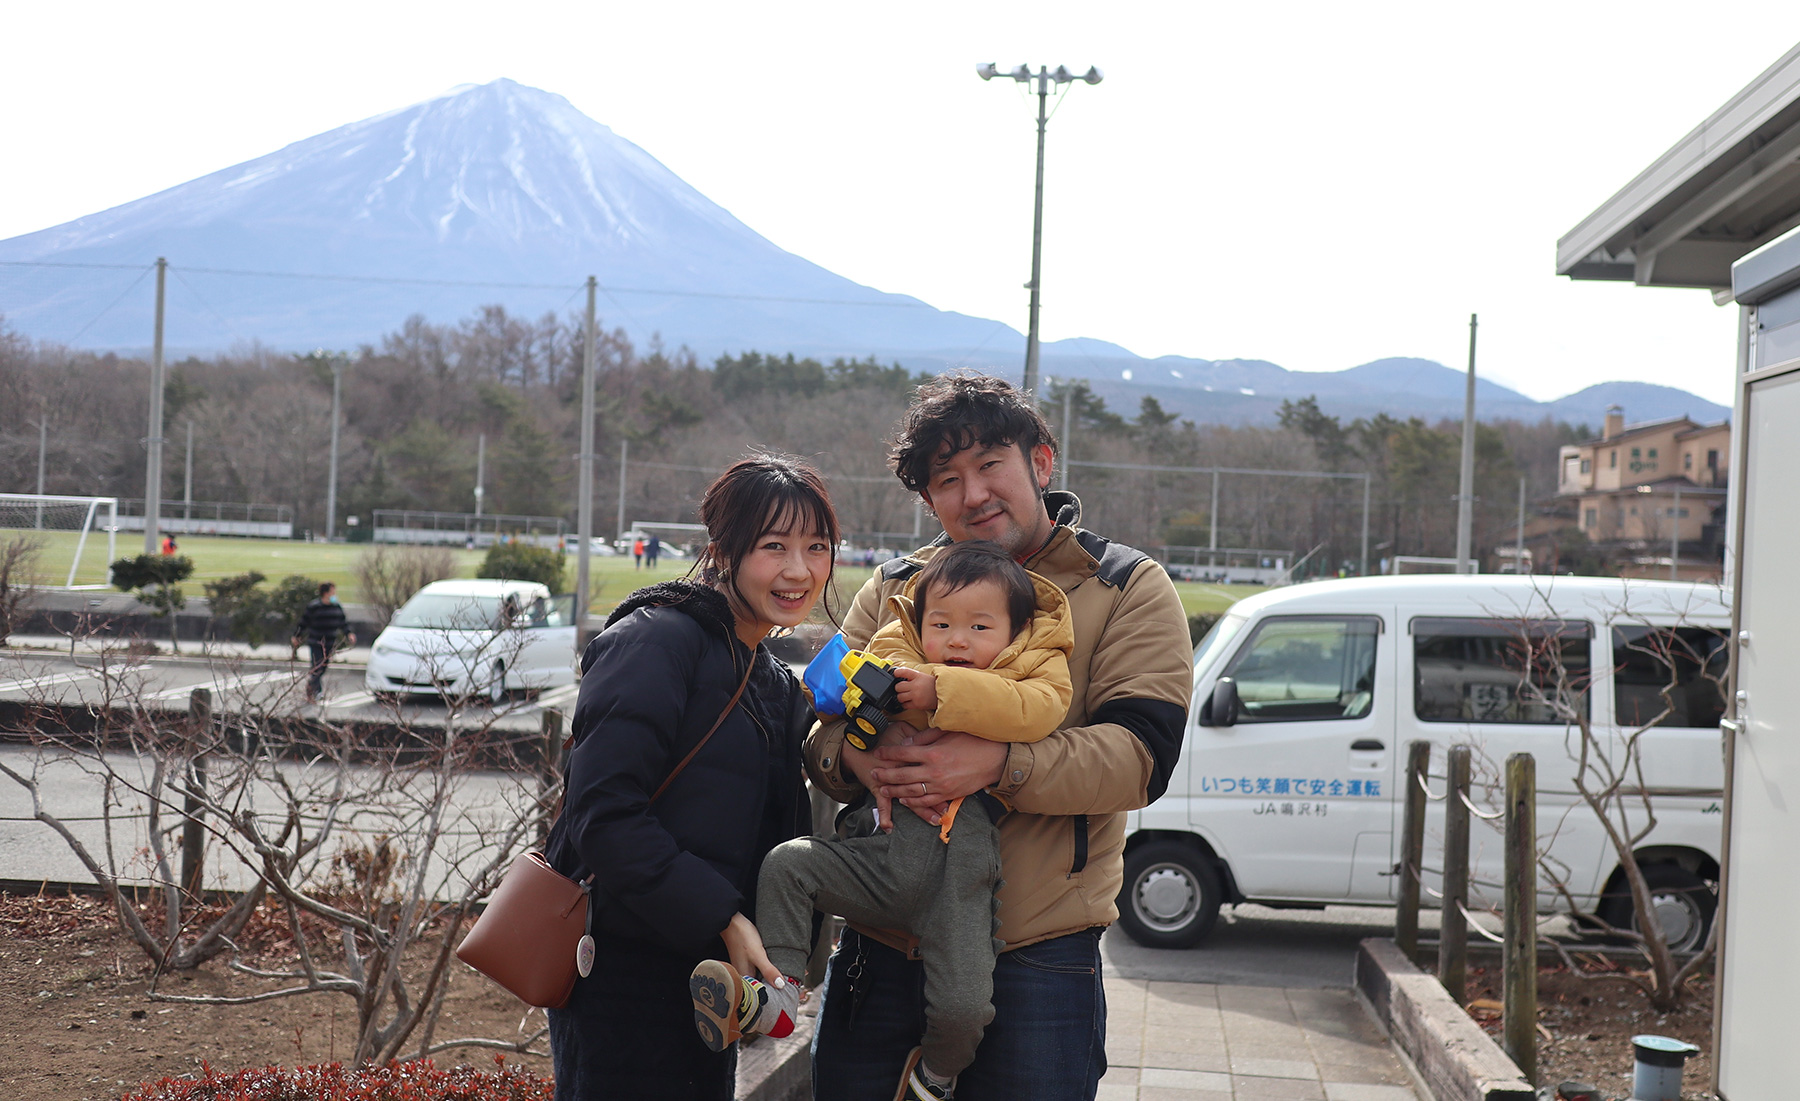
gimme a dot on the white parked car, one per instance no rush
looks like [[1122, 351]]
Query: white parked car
[[476, 638], [1290, 786]]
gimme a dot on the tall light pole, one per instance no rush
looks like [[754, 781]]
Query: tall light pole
[[1465, 494], [1044, 77]]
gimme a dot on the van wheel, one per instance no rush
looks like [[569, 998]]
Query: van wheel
[[1171, 895], [1682, 902]]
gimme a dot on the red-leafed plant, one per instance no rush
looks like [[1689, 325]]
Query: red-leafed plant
[[413, 1080]]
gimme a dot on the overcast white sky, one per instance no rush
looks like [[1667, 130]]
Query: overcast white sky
[[1318, 185]]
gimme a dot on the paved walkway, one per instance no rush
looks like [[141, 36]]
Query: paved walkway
[[1178, 1041]]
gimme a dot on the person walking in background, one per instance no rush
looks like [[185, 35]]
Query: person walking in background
[[653, 550], [322, 626], [637, 553]]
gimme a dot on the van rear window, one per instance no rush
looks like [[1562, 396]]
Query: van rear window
[[1500, 670], [1686, 662]]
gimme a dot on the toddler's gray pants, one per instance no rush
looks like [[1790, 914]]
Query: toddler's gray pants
[[907, 881]]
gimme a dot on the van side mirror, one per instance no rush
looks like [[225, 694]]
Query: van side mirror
[[1221, 708]]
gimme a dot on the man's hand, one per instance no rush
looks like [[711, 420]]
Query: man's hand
[[936, 767], [917, 691]]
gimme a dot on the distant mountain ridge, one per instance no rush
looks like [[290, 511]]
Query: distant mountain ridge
[[512, 188]]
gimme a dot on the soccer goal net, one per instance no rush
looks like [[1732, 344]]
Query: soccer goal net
[[673, 540], [61, 527]]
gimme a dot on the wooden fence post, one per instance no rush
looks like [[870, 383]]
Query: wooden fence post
[[1519, 960], [1412, 849], [193, 831], [1453, 939], [550, 769]]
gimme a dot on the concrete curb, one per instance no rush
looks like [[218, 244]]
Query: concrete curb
[[778, 1070], [1454, 1057]]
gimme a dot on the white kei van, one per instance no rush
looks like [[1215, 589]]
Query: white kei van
[[1289, 787]]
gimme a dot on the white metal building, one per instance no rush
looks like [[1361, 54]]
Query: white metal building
[[1720, 212]]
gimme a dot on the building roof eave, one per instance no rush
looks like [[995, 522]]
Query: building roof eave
[[1729, 186]]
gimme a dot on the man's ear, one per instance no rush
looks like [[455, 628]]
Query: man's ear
[[1043, 463]]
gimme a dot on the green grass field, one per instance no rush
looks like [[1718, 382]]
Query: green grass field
[[612, 578]]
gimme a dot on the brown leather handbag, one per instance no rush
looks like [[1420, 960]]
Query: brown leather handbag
[[530, 936]]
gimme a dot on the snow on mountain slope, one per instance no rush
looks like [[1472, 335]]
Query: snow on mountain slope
[[497, 183]]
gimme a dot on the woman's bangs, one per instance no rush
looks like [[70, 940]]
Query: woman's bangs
[[798, 512]]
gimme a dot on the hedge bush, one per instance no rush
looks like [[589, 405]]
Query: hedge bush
[[1199, 623], [414, 1080], [523, 562]]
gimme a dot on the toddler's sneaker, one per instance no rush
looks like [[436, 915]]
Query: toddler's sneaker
[[919, 1084], [728, 1006]]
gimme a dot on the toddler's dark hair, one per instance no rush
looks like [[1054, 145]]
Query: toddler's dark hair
[[960, 565]]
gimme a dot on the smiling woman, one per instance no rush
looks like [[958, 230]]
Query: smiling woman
[[683, 773]]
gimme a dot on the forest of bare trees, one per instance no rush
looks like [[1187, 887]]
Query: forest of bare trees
[[415, 405]]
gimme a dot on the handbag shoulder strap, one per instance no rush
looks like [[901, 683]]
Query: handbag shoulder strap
[[718, 722]]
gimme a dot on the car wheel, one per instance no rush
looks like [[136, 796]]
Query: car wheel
[[1171, 895], [1682, 902], [496, 692]]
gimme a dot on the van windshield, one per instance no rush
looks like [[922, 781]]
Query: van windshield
[[444, 612], [1223, 631]]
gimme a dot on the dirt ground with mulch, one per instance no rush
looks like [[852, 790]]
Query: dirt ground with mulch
[[1591, 1020], [76, 1024]]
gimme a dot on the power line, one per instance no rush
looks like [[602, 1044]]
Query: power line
[[109, 306], [608, 289], [65, 264]]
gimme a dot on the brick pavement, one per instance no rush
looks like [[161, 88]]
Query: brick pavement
[[1177, 1041]]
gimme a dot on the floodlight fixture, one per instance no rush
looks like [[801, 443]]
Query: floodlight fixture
[[1044, 77]]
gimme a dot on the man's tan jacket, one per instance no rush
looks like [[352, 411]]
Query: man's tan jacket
[[1062, 848]]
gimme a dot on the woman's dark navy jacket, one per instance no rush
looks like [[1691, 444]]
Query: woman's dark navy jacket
[[652, 682]]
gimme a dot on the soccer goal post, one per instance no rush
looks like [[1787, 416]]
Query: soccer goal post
[[62, 525]]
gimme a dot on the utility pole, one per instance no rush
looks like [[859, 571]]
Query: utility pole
[[1044, 77], [1465, 495], [1519, 547], [43, 441], [1067, 441], [584, 507], [187, 477], [624, 457], [480, 471], [337, 379], [1212, 517], [1675, 536], [1365, 526], [154, 442]]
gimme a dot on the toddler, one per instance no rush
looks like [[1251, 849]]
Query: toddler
[[983, 648]]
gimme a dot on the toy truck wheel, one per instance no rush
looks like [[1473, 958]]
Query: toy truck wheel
[[871, 720], [1171, 895]]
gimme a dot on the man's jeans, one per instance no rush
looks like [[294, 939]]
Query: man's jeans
[[1047, 1041]]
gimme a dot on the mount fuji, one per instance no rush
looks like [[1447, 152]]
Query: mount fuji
[[501, 193], [494, 184]]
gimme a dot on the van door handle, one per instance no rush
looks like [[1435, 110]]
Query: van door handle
[[1366, 743]]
